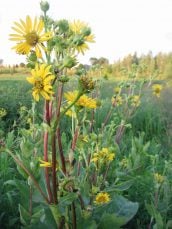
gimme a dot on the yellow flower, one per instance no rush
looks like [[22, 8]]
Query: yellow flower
[[84, 100], [45, 164], [158, 178], [103, 156], [117, 100], [3, 112], [102, 198], [117, 90], [157, 89], [82, 35], [71, 113], [30, 36], [41, 79], [135, 100]]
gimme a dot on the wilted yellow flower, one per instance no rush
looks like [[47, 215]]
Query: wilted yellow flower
[[117, 100], [103, 156], [30, 36], [84, 100], [135, 100], [45, 164], [41, 79], [117, 90], [157, 88], [82, 35], [3, 112], [158, 178], [102, 198]]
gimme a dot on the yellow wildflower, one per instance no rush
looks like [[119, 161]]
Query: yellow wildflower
[[157, 88], [45, 164], [135, 100], [84, 100], [158, 178], [41, 79], [102, 198], [117, 100], [103, 156], [82, 35], [30, 36]]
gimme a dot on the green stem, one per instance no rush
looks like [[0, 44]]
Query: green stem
[[29, 174]]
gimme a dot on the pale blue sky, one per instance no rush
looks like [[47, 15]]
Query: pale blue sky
[[120, 26]]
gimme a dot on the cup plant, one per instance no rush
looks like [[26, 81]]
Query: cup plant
[[65, 166]]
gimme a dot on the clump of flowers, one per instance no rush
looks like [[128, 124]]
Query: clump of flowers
[[41, 79], [3, 112], [83, 101], [103, 156], [157, 88], [30, 36], [102, 198], [158, 178]]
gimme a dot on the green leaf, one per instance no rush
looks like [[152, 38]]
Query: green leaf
[[119, 206], [68, 199], [24, 215], [110, 220], [120, 187]]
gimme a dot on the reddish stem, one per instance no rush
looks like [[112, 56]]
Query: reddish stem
[[54, 178]]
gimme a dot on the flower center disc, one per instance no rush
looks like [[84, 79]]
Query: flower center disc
[[32, 38], [39, 85]]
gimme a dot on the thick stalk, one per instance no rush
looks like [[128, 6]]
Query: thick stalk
[[73, 216], [62, 158], [54, 177], [46, 170]]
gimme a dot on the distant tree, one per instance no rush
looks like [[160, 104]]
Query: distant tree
[[93, 61], [1, 61], [22, 65]]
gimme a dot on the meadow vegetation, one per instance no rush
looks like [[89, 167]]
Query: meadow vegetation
[[83, 146]]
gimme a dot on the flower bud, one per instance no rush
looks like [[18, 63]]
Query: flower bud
[[44, 6], [86, 84], [86, 31], [69, 61]]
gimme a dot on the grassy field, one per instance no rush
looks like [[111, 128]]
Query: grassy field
[[146, 146]]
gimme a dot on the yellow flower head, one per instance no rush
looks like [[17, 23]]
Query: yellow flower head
[[117, 100], [3, 112], [158, 178], [157, 88], [84, 100], [30, 36], [41, 79], [102, 198], [82, 35], [45, 164], [135, 100], [103, 156]]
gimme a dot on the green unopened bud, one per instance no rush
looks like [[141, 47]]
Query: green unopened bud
[[32, 57], [78, 40], [86, 31], [44, 6], [63, 78], [69, 61]]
